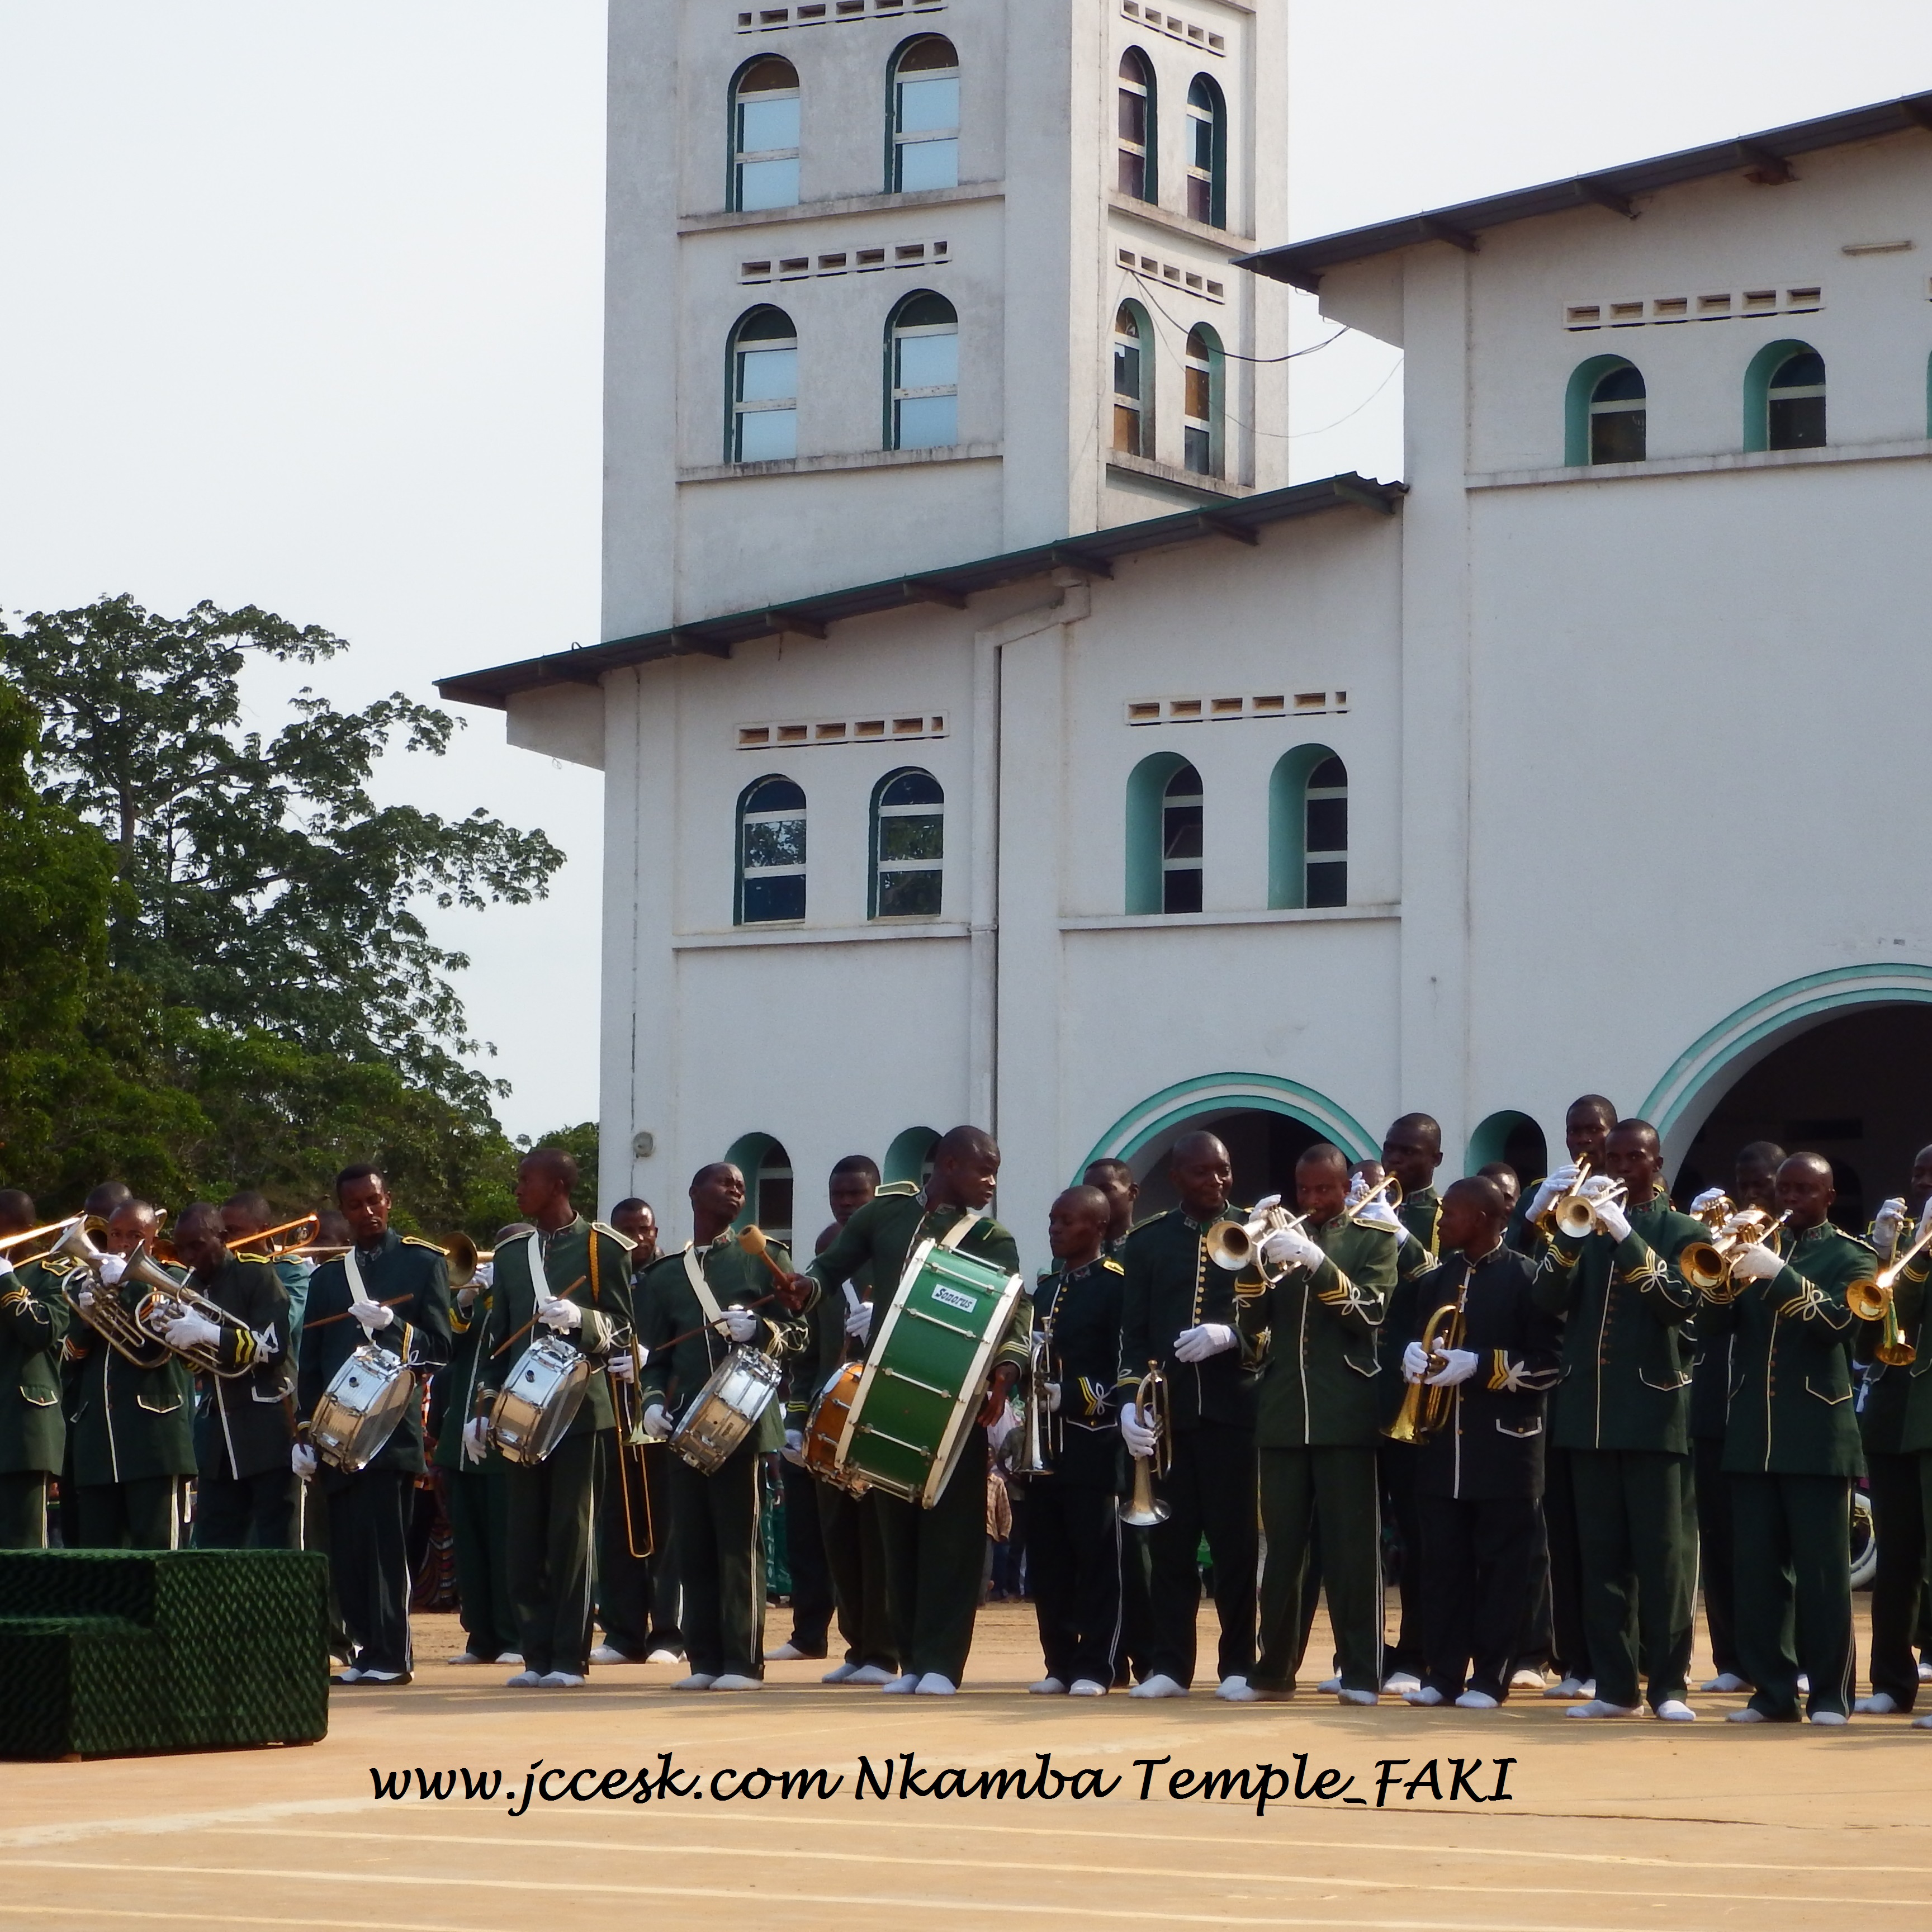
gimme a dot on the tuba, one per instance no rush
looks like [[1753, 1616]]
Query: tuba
[[1040, 1429], [1144, 1509], [1706, 1265], [1424, 1410], [166, 1298]]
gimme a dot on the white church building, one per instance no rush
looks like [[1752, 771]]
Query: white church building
[[991, 733]]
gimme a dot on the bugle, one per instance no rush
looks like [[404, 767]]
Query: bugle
[[1873, 1301], [1706, 1265], [1388, 1188], [1236, 1246], [1144, 1509], [1425, 1410]]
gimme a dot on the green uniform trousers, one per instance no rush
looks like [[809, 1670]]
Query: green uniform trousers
[[23, 1509], [935, 1563], [257, 1512], [548, 1524], [1792, 1539], [1638, 1573], [623, 1580], [856, 1556], [1336, 1492], [1714, 1564], [721, 1557], [369, 1515], [1898, 1590], [478, 1501], [143, 1514]]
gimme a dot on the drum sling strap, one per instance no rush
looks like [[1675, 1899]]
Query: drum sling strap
[[359, 1297]]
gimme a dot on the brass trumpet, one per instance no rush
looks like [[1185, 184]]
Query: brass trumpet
[[1388, 1187], [1424, 1410], [464, 1258], [1237, 1245], [1571, 1214], [1144, 1509], [1706, 1265], [1873, 1300]]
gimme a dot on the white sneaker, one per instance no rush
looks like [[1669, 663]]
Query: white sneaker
[[697, 1681], [1726, 1681], [1527, 1679], [1238, 1691], [1346, 1696], [905, 1681], [470, 1657], [348, 1674], [1925, 1673], [1674, 1711], [560, 1680], [1047, 1687], [1401, 1682], [934, 1685], [1331, 1685], [787, 1652], [734, 1680], [1086, 1686], [1923, 1723], [840, 1673], [1475, 1700], [1880, 1704], [1750, 1715], [524, 1680], [1833, 1717], [1424, 1694], [1158, 1686], [870, 1673], [1571, 1687], [1597, 1708], [661, 1656], [1804, 1685], [604, 1654]]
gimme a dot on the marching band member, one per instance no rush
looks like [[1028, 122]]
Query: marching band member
[[392, 1292], [34, 1320], [1623, 1414], [573, 1279], [130, 1423], [696, 1307], [1114, 1180], [1073, 1511], [1479, 1476], [1315, 1428], [935, 1558], [248, 1214], [1178, 1310]]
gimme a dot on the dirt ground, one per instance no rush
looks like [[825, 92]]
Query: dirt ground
[[1599, 1826]]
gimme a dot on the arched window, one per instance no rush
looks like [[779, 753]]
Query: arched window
[[1605, 414], [1795, 402], [769, 1194], [1202, 412], [1206, 152], [908, 845], [1164, 835], [924, 117], [1308, 829], [771, 851], [764, 134], [1138, 129], [764, 423], [923, 373], [1180, 851], [1133, 381]]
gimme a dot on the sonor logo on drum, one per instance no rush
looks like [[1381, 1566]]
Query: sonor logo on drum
[[953, 1298]]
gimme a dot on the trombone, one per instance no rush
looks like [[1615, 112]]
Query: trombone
[[1144, 1509], [1425, 1411], [57, 1228], [304, 1227]]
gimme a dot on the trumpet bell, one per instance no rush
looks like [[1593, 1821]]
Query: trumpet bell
[[1230, 1245], [1143, 1512], [464, 1258], [1896, 1355], [1701, 1266], [1868, 1300], [1573, 1216]]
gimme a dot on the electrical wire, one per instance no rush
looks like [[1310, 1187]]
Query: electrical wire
[[1229, 355]]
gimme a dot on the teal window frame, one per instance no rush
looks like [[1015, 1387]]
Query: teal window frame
[[1576, 401], [751, 1154], [736, 406], [1147, 85], [1215, 419], [1144, 402], [1758, 374], [899, 330], [1216, 113], [736, 157], [896, 141], [1146, 807], [1287, 824]]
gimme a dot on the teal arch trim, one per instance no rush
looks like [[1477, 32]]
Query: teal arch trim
[[1674, 1106], [1491, 1135], [1288, 825], [747, 1154], [1266, 1093], [1217, 398], [1583, 381], [1147, 791], [906, 1158], [1765, 364]]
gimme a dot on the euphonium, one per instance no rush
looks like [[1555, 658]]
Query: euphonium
[[166, 1299], [104, 1311], [1425, 1410], [1144, 1509]]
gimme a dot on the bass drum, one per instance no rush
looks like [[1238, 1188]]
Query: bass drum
[[726, 1409], [363, 1406], [826, 1426], [540, 1400]]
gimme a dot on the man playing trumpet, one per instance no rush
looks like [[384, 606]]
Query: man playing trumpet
[[33, 1322]]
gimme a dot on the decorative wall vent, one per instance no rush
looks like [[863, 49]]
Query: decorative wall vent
[[1721, 307], [1212, 710], [893, 728]]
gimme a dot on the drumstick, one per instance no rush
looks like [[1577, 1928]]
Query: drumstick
[[343, 1315], [535, 1318], [674, 1340]]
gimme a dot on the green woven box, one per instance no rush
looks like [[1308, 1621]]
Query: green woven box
[[110, 1651]]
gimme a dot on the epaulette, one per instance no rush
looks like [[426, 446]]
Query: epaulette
[[417, 1241], [896, 1190], [1857, 1240], [624, 1241], [1107, 1261]]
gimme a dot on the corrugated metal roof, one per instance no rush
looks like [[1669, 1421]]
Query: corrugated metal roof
[[1763, 157], [1241, 519]]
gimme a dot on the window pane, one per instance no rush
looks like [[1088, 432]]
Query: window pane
[[776, 794], [1133, 176], [1126, 370], [1200, 198], [1198, 394], [1327, 825], [768, 185], [1328, 884], [1797, 422], [1127, 431], [774, 898], [910, 895], [764, 125], [924, 164], [927, 105], [1181, 892], [928, 422], [1620, 385], [774, 842], [1199, 452], [775, 1202], [1180, 829], [767, 375], [920, 837], [767, 435], [1618, 435], [1133, 118], [1805, 370], [928, 361], [912, 788]]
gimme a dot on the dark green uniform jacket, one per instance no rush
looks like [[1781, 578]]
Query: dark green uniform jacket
[[1626, 1364], [1420, 1214], [1172, 1285], [34, 1318], [128, 1421], [1911, 1418], [1082, 1305], [1319, 1367], [413, 1278], [1791, 1396], [675, 1371], [586, 1264], [242, 1424], [452, 1399]]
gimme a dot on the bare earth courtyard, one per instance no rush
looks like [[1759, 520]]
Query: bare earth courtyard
[[1608, 1826]]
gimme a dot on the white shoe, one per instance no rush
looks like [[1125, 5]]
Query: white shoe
[[1925, 1673], [1726, 1681], [1880, 1704], [1238, 1690], [1424, 1694], [470, 1657], [1571, 1687], [1804, 1685], [1597, 1708], [1401, 1682], [734, 1680], [560, 1680], [348, 1674], [786, 1653], [840, 1673], [1158, 1686], [1346, 1696], [1750, 1715], [1923, 1723], [1047, 1687], [1527, 1679], [1475, 1700], [1833, 1717], [934, 1685], [524, 1680], [664, 1656], [1674, 1711], [1086, 1686], [870, 1673], [906, 1682], [1331, 1685], [604, 1654], [697, 1681]]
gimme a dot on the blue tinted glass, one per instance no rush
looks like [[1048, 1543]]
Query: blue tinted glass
[[766, 125], [768, 185], [767, 375], [926, 105], [928, 422], [924, 164], [767, 435], [929, 361]]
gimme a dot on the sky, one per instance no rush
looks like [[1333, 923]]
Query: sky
[[301, 307]]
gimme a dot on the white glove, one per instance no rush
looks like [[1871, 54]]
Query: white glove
[[465, 1298], [6, 1267], [112, 1268], [1556, 1183], [1461, 1365], [1888, 1222], [191, 1330], [1414, 1362], [1596, 1187], [301, 1460], [793, 1450], [1757, 1263], [1379, 1214], [740, 1324], [1614, 1221], [1139, 1439], [1262, 1207], [1211, 1338], [1925, 1218], [486, 1274], [373, 1316], [476, 1438], [1053, 1398], [623, 1366], [1289, 1247], [562, 1314], [84, 1299], [657, 1424], [858, 1321], [1709, 1199]]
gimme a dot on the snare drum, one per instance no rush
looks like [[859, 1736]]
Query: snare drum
[[726, 1409], [540, 1400], [363, 1406], [921, 1390], [827, 1425]]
